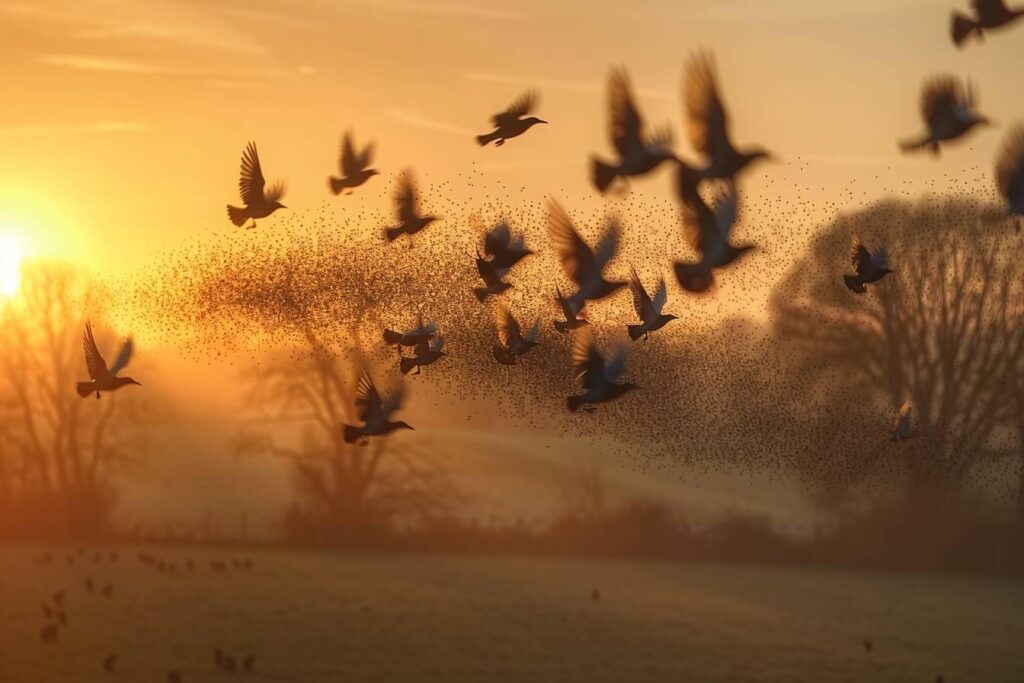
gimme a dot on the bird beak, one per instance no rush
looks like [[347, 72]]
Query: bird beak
[[541, 121]]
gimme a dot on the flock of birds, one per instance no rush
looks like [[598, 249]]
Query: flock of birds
[[949, 112]]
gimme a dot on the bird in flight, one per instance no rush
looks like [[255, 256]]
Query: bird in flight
[[421, 333], [870, 266], [988, 14], [638, 152], [354, 167], [512, 122], [1010, 173], [707, 230], [597, 375], [102, 378], [647, 309], [424, 353], [512, 343], [581, 264], [900, 430], [259, 203], [708, 122], [492, 276], [505, 249], [573, 317], [948, 110], [406, 206], [374, 410]]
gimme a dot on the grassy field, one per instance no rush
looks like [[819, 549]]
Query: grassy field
[[343, 617]]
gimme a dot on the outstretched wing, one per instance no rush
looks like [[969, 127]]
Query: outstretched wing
[[524, 105], [509, 333], [608, 244], [945, 96], [860, 257], [1010, 166], [627, 126], [708, 122], [368, 402], [616, 363], [641, 301], [347, 160], [577, 260], [251, 182], [660, 296], [587, 362], [405, 199], [123, 356], [564, 304], [94, 362], [497, 238]]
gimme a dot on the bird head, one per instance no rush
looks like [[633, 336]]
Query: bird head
[[668, 317], [400, 425], [278, 205], [759, 153], [123, 381], [533, 120], [982, 120]]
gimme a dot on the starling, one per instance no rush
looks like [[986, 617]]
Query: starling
[[947, 108], [258, 204], [354, 167], [374, 411], [512, 122]]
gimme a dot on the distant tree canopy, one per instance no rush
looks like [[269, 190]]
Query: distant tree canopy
[[944, 331]]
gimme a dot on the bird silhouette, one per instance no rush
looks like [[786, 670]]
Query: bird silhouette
[[492, 276], [424, 353], [573, 317], [512, 343], [870, 266], [406, 205], [101, 377], [512, 122], [504, 249], [707, 230], [595, 374], [374, 410], [423, 331], [1010, 173], [354, 167], [647, 309], [259, 203], [708, 122], [583, 266], [988, 14], [947, 108], [638, 152], [901, 424]]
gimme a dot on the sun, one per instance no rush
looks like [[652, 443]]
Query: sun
[[12, 251]]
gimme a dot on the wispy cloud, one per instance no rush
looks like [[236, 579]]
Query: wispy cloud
[[415, 120], [105, 64], [74, 129], [467, 11], [577, 86]]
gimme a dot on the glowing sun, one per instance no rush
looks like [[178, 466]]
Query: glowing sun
[[12, 251]]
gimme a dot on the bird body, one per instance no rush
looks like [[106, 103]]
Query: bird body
[[102, 378], [947, 108], [583, 265], [425, 353], [503, 249], [492, 277], [988, 15], [406, 205], [573, 316], [259, 203], [870, 266], [422, 332], [1010, 173], [707, 230], [354, 167], [512, 343], [648, 309], [374, 410], [512, 122], [597, 375], [638, 152]]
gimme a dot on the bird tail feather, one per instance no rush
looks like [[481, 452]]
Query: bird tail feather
[[918, 144], [351, 434], [237, 215], [961, 27], [393, 234], [854, 284], [635, 331], [407, 365], [336, 184], [574, 403], [694, 277], [84, 388], [481, 293], [603, 175], [487, 138]]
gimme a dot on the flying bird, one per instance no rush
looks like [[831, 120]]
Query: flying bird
[[512, 343], [421, 333], [638, 152], [648, 309], [573, 316], [258, 202], [406, 206], [870, 266], [1010, 173], [492, 276], [597, 375], [708, 122], [901, 425], [948, 110], [512, 122], [505, 249], [102, 378], [988, 14], [374, 411], [707, 230], [424, 353], [582, 265], [354, 167]]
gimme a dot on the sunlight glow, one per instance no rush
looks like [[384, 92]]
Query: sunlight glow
[[12, 251]]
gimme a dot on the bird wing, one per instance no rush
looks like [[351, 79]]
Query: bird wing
[[700, 225], [627, 126], [405, 199], [347, 160], [437, 344], [534, 332], [366, 158], [1010, 166], [641, 301], [565, 305], [991, 7], [725, 207], [368, 401], [523, 105], [509, 333], [577, 259], [587, 362], [708, 122], [860, 257], [616, 363], [941, 96], [608, 244], [123, 356], [488, 272], [94, 362], [497, 238], [393, 400], [251, 181], [660, 296]]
